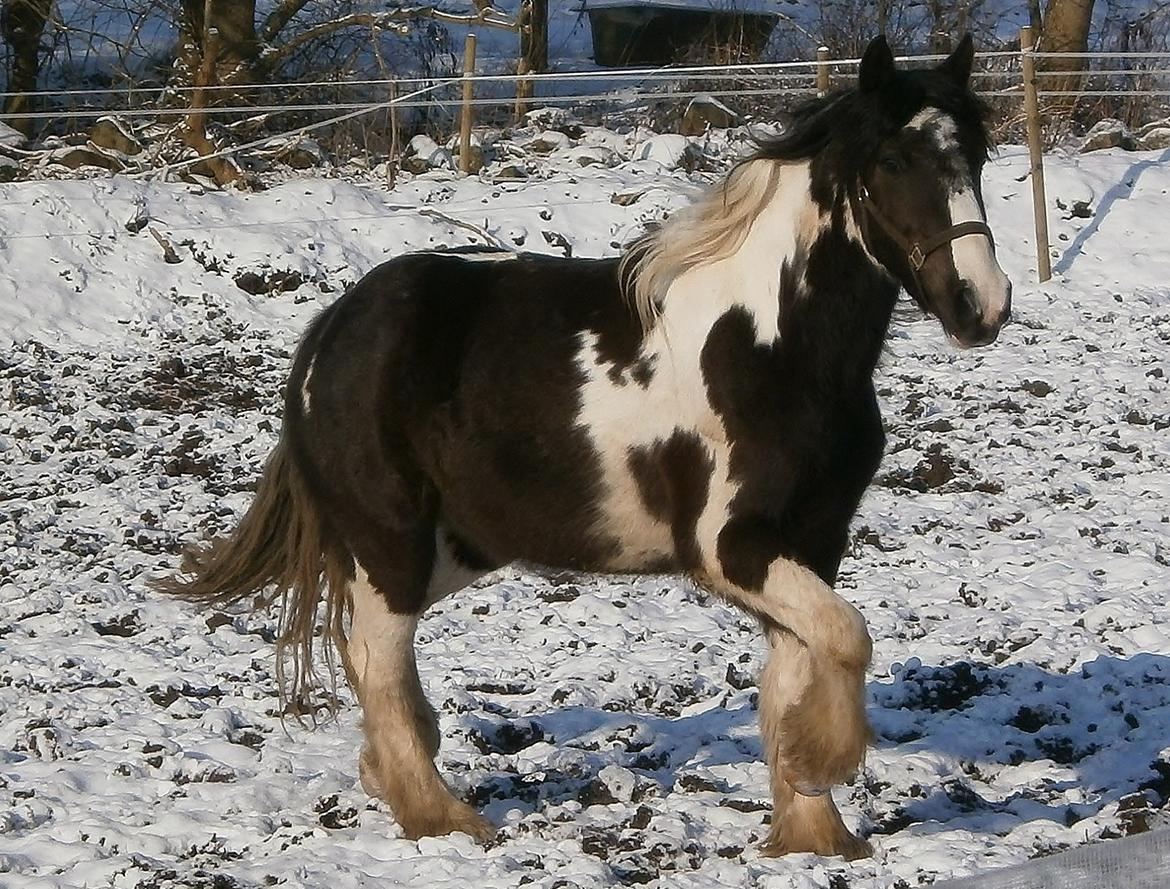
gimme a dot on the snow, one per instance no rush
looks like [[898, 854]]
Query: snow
[[10, 137], [667, 149], [1011, 560]]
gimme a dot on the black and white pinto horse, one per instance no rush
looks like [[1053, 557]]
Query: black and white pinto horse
[[703, 405]]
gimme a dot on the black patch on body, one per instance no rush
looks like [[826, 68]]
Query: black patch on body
[[468, 556], [801, 413], [642, 371], [674, 479]]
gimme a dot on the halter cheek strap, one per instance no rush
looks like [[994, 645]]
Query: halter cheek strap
[[917, 251]]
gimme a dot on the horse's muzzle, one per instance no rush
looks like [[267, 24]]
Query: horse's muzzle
[[977, 324]]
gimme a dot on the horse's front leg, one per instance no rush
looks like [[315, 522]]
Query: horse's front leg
[[812, 708], [812, 719]]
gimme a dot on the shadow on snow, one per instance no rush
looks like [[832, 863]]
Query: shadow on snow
[[1102, 729]]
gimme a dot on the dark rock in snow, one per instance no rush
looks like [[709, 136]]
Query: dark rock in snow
[[1108, 133], [705, 111], [9, 169], [114, 134]]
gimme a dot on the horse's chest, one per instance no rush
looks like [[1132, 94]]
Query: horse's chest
[[658, 445], [675, 469]]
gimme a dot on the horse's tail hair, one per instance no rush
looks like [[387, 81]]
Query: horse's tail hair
[[280, 549]]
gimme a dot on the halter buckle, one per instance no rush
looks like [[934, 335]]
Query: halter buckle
[[917, 258]]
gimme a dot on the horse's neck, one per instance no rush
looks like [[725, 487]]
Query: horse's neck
[[750, 277], [842, 312]]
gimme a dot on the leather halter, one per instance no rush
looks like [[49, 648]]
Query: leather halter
[[917, 251]]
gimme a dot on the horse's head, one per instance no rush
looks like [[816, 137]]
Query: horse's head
[[919, 197]]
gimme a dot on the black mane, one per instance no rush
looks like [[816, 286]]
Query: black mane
[[846, 128]]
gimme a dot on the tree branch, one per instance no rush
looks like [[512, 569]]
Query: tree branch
[[393, 19], [280, 16]]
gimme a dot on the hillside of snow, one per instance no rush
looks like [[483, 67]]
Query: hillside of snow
[[1012, 559]]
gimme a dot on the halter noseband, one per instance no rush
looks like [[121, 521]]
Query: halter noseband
[[917, 251]]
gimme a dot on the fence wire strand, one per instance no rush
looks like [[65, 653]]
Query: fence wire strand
[[636, 74], [637, 87]]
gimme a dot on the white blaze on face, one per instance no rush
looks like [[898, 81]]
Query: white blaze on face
[[974, 258], [975, 262]]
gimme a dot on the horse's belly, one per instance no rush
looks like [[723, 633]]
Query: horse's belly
[[559, 502]]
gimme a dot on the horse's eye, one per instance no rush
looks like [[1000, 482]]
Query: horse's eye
[[891, 163]]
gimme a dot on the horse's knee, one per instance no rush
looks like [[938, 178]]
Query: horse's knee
[[823, 620], [845, 637], [796, 598]]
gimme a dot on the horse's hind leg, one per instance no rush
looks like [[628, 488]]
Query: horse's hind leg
[[401, 732], [803, 696]]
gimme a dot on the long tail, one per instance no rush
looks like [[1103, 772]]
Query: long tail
[[279, 550]]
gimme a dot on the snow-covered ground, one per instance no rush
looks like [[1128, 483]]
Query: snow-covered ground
[[1012, 560]]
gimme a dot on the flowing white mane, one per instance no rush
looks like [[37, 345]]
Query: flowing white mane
[[712, 228]]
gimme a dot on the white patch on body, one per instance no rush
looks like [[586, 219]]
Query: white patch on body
[[750, 277], [305, 386], [486, 256], [448, 575], [622, 415], [381, 643]]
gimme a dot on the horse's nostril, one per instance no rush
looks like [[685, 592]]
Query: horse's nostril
[[968, 302]]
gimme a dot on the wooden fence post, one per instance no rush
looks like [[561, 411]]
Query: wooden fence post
[[523, 90], [468, 95], [822, 69], [395, 148], [1035, 153]]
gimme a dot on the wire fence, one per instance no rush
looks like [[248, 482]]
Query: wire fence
[[634, 75], [361, 114], [369, 116]]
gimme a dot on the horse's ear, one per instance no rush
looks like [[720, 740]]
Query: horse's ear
[[958, 64], [877, 65]]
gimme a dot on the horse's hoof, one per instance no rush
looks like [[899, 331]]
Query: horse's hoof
[[459, 818], [846, 845], [477, 827]]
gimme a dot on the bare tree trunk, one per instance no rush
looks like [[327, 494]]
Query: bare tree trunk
[[1065, 29], [223, 169], [234, 23], [534, 37], [21, 24], [1035, 16], [532, 19], [939, 32]]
